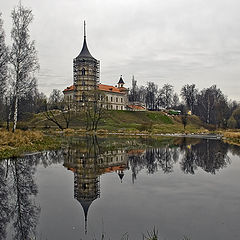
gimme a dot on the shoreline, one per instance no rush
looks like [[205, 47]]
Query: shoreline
[[29, 142]]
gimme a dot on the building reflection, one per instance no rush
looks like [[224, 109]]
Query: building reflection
[[88, 163]]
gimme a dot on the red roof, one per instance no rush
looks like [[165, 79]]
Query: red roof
[[71, 88], [108, 88], [137, 107], [101, 87]]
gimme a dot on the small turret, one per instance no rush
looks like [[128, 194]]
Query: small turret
[[121, 175], [120, 82]]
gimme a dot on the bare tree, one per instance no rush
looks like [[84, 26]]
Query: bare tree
[[3, 65], [55, 99], [133, 95], [151, 92], [189, 94], [94, 108], [165, 97], [212, 106], [58, 111], [175, 101], [23, 56], [61, 117]]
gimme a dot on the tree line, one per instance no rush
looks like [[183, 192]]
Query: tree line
[[210, 104]]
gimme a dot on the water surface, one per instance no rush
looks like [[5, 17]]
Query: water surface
[[111, 187]]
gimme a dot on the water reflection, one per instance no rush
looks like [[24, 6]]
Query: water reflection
[[90, 157], [18, 191], [88, 163], [209, 155]]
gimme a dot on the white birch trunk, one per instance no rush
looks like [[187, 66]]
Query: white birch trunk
[[15, 114]]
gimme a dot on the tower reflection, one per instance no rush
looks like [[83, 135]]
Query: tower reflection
[[86, 160]]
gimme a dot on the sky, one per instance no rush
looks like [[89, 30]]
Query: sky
[[164, 41]]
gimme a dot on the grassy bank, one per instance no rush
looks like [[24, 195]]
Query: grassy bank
[[20, 142], [124, 121], [232, 137]]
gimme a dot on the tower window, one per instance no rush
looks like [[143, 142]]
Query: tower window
[[83, 71]]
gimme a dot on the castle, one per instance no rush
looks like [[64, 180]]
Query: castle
[[86, 80]]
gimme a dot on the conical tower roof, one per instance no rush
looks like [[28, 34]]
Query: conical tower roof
[[85, 205], [121, 80], [85, 52]]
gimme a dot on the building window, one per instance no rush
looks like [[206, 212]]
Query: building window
[[121, 100], [116, 99], [121, 107], [116, 107], [111, 107], [106, 98], [83, 71], [111, 99]]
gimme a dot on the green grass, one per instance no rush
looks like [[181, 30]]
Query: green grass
[[125, 121]]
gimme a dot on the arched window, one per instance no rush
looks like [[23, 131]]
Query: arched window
[[83, 96], [83, 71]]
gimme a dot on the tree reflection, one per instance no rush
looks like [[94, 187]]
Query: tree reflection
[[210, 155], [18, 189], [5, 210], [25, 212]]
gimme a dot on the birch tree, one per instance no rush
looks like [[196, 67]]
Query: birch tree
[[23, 57], [3, 65]]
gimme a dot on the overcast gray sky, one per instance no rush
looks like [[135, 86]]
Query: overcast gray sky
[[165, 41]]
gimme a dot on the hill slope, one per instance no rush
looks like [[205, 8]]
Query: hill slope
[[156, 122]]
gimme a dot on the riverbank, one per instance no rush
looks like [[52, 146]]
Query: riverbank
[[22, 142], [231, 137]]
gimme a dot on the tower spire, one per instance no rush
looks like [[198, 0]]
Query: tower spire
[[84, 29]]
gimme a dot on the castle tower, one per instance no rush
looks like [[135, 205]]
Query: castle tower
[[85, 73]]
